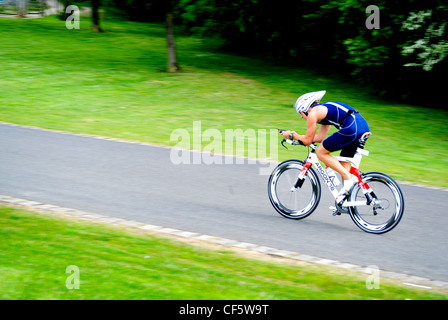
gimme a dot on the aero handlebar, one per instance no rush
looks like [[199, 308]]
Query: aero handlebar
[[294, 142]]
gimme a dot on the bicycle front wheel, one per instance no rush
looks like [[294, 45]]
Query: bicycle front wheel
[[291, 202], [384, 214]]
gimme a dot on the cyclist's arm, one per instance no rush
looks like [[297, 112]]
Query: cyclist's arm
[[323, 131], [311, 122], [314, 116]]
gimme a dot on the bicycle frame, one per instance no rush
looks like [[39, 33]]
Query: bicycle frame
[[355, 162]]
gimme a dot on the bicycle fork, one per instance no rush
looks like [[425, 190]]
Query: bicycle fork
[[301, 177]]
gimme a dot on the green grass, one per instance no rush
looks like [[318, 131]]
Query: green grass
[[113, 84], [123, 264]]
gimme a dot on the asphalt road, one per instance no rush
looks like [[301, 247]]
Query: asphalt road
[[140, 182]]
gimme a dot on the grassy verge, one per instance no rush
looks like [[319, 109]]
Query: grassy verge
[[113, 84], [124, 264]]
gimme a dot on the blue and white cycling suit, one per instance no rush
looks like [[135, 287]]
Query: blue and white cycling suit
[[350, 130]]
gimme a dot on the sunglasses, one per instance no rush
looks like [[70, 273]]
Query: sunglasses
[[305, 113]]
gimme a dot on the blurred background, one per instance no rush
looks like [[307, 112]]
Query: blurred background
[[139, 70], [404, 59], [231, 64]]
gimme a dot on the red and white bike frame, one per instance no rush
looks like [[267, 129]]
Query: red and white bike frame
[[355, 162]]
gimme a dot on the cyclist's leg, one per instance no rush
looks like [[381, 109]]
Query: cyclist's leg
[[348, 152], [336, 141], [324, 155], [345, 139]]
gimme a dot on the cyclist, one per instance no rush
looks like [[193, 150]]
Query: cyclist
[[347, 120]]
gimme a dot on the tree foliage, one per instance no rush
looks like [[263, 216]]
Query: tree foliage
[[404, 58], [429, 45]]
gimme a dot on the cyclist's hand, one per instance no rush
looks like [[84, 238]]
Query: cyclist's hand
[[285, 134]]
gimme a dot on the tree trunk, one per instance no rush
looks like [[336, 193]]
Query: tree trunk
[[95, 16], [21, 8], [172, 60]]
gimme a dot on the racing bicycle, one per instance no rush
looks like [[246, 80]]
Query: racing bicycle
[[375, 203]]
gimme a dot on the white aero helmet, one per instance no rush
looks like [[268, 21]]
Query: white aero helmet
[[305, 101]]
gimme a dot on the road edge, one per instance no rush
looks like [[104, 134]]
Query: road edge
[[406, 279]]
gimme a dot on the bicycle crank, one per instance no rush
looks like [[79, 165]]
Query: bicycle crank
[[338, 210]]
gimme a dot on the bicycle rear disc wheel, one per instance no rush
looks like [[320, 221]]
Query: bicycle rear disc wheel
[[384, 216], [290, 202]]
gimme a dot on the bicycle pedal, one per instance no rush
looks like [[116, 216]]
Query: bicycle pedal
[[334, 211]]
